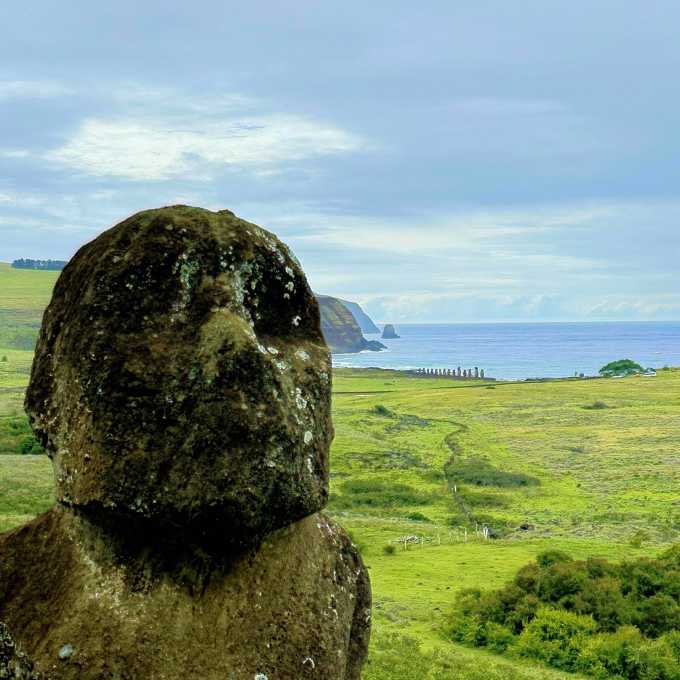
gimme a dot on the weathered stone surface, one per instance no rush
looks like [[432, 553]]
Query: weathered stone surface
[[296, 607], [181, 387], [181, 376], [14, 663]]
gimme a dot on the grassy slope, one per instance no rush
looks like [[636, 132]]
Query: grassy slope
[[25, 289], [24, 294], [603, 474]]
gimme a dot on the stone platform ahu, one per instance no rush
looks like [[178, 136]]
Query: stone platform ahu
[[181, 387]]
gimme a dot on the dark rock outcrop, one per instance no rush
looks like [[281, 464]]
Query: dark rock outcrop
[[365, 322], [340, 329], [389, 333], [182, 389]]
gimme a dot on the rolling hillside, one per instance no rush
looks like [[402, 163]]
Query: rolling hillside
[[419, 469]]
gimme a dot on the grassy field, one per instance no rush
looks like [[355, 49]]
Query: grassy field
[[535, 462], [590, 467], [24, 294]]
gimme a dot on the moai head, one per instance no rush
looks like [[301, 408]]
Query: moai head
[[181, 376]]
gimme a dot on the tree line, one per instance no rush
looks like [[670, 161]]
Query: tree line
[[47, 265]]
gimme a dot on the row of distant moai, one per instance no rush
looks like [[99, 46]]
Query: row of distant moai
[[456, 373]]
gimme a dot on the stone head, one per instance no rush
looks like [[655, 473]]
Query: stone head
[[181, 376]]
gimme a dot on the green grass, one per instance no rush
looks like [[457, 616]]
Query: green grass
[[528, 460], [24, 294], [26, 489]]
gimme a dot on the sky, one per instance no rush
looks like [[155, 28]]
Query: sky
[[464, 161]]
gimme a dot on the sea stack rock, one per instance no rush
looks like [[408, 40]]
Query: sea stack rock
[[181, 387], [389, 333]]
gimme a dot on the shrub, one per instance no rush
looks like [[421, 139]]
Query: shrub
[[418, 517], [498, 637], [555, 637], [380, 494], [380, 410], [16, 437], [627, 654], [609, 620], [29, 446], [621, 367], [550, 557], [597, 406], [389, 549], [638, 538], [478, 471]]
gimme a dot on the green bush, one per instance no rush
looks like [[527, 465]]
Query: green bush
[[597, 406], [366, 493], [478, 471], [29, 446], [627, 654], [16, 437], [418, 517], [621, 367], [555, 637], [610, 620], [380, 410], [389, 549], [638, 538]]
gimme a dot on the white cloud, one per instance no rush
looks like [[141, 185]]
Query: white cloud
[[493, 232], [32, 89], [14, 153], [193, 147], [659, 306]]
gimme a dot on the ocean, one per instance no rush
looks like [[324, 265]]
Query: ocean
[[516, 351]]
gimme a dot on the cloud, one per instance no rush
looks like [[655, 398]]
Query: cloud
[[501, 233], [32, 89], [659, 306], [195, 147], [14, 153]]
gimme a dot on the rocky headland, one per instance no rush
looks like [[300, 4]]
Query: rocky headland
[[364, 320], [341, 330]]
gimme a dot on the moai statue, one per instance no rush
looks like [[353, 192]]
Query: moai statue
[[465, 373], [481, 373], [181, 387], [476, 372], [459, 372]]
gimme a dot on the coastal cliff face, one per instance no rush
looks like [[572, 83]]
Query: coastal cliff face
[[365, 322], [340, 329]]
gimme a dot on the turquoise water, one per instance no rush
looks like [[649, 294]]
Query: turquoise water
[[525, 350]]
